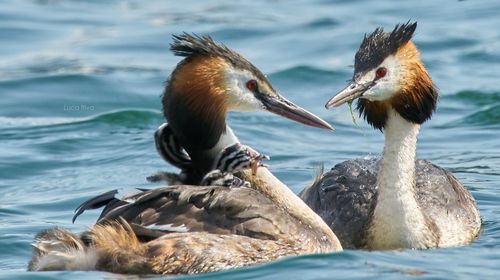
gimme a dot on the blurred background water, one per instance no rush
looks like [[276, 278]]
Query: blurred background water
[[80, 86]]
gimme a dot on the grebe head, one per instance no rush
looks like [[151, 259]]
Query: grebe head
[[212, 78], [388, 73]]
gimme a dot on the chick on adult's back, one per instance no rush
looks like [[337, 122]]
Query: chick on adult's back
[[192, 228], [209, 82]]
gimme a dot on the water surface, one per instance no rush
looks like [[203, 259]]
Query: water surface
[[80, 86]]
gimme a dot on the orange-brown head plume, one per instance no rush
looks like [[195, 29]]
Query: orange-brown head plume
[[195, 101], [212, 80], [388, 73]]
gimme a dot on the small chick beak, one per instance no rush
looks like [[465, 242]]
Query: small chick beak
[[280, 106], [352, 91]]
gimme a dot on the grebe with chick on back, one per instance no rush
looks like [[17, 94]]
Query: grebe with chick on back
[[191, 229]]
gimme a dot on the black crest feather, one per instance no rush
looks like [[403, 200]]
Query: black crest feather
[[188, 45], [414, 103], [379, 45]]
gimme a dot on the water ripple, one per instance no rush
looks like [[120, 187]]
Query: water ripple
[[126, 118], [113, 56]]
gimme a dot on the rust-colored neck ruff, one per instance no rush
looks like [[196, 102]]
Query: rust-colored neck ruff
[[417, 98], [194, 102]]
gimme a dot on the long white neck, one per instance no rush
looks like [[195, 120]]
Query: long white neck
[[397, 219], [272, 187]]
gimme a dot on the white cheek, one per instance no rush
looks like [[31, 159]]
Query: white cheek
[[387, 86], [239, 97], [246, 103], [383, 90]]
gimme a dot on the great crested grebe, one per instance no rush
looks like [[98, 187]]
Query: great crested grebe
[[396, 201], [208, 83], [190, 229]]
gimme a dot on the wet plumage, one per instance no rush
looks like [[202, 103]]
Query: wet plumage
[[188, 228], [345, 197], [396, 201], [182, 229]]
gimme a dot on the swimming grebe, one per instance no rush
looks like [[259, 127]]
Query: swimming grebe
[[208, 83], [191, 229], [397, 201]]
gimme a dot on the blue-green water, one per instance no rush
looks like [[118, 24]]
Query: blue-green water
[[80, 85]]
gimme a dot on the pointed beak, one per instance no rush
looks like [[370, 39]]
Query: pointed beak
[[352, 91], [279, 105]]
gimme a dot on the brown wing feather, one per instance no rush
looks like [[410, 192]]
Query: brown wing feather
[[221, 210], [181, 253]]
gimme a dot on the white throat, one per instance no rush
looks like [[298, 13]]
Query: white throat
[[228, 138], [397, 220]]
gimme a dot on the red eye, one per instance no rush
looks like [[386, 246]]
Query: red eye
[[381, 72], [252, 85]]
